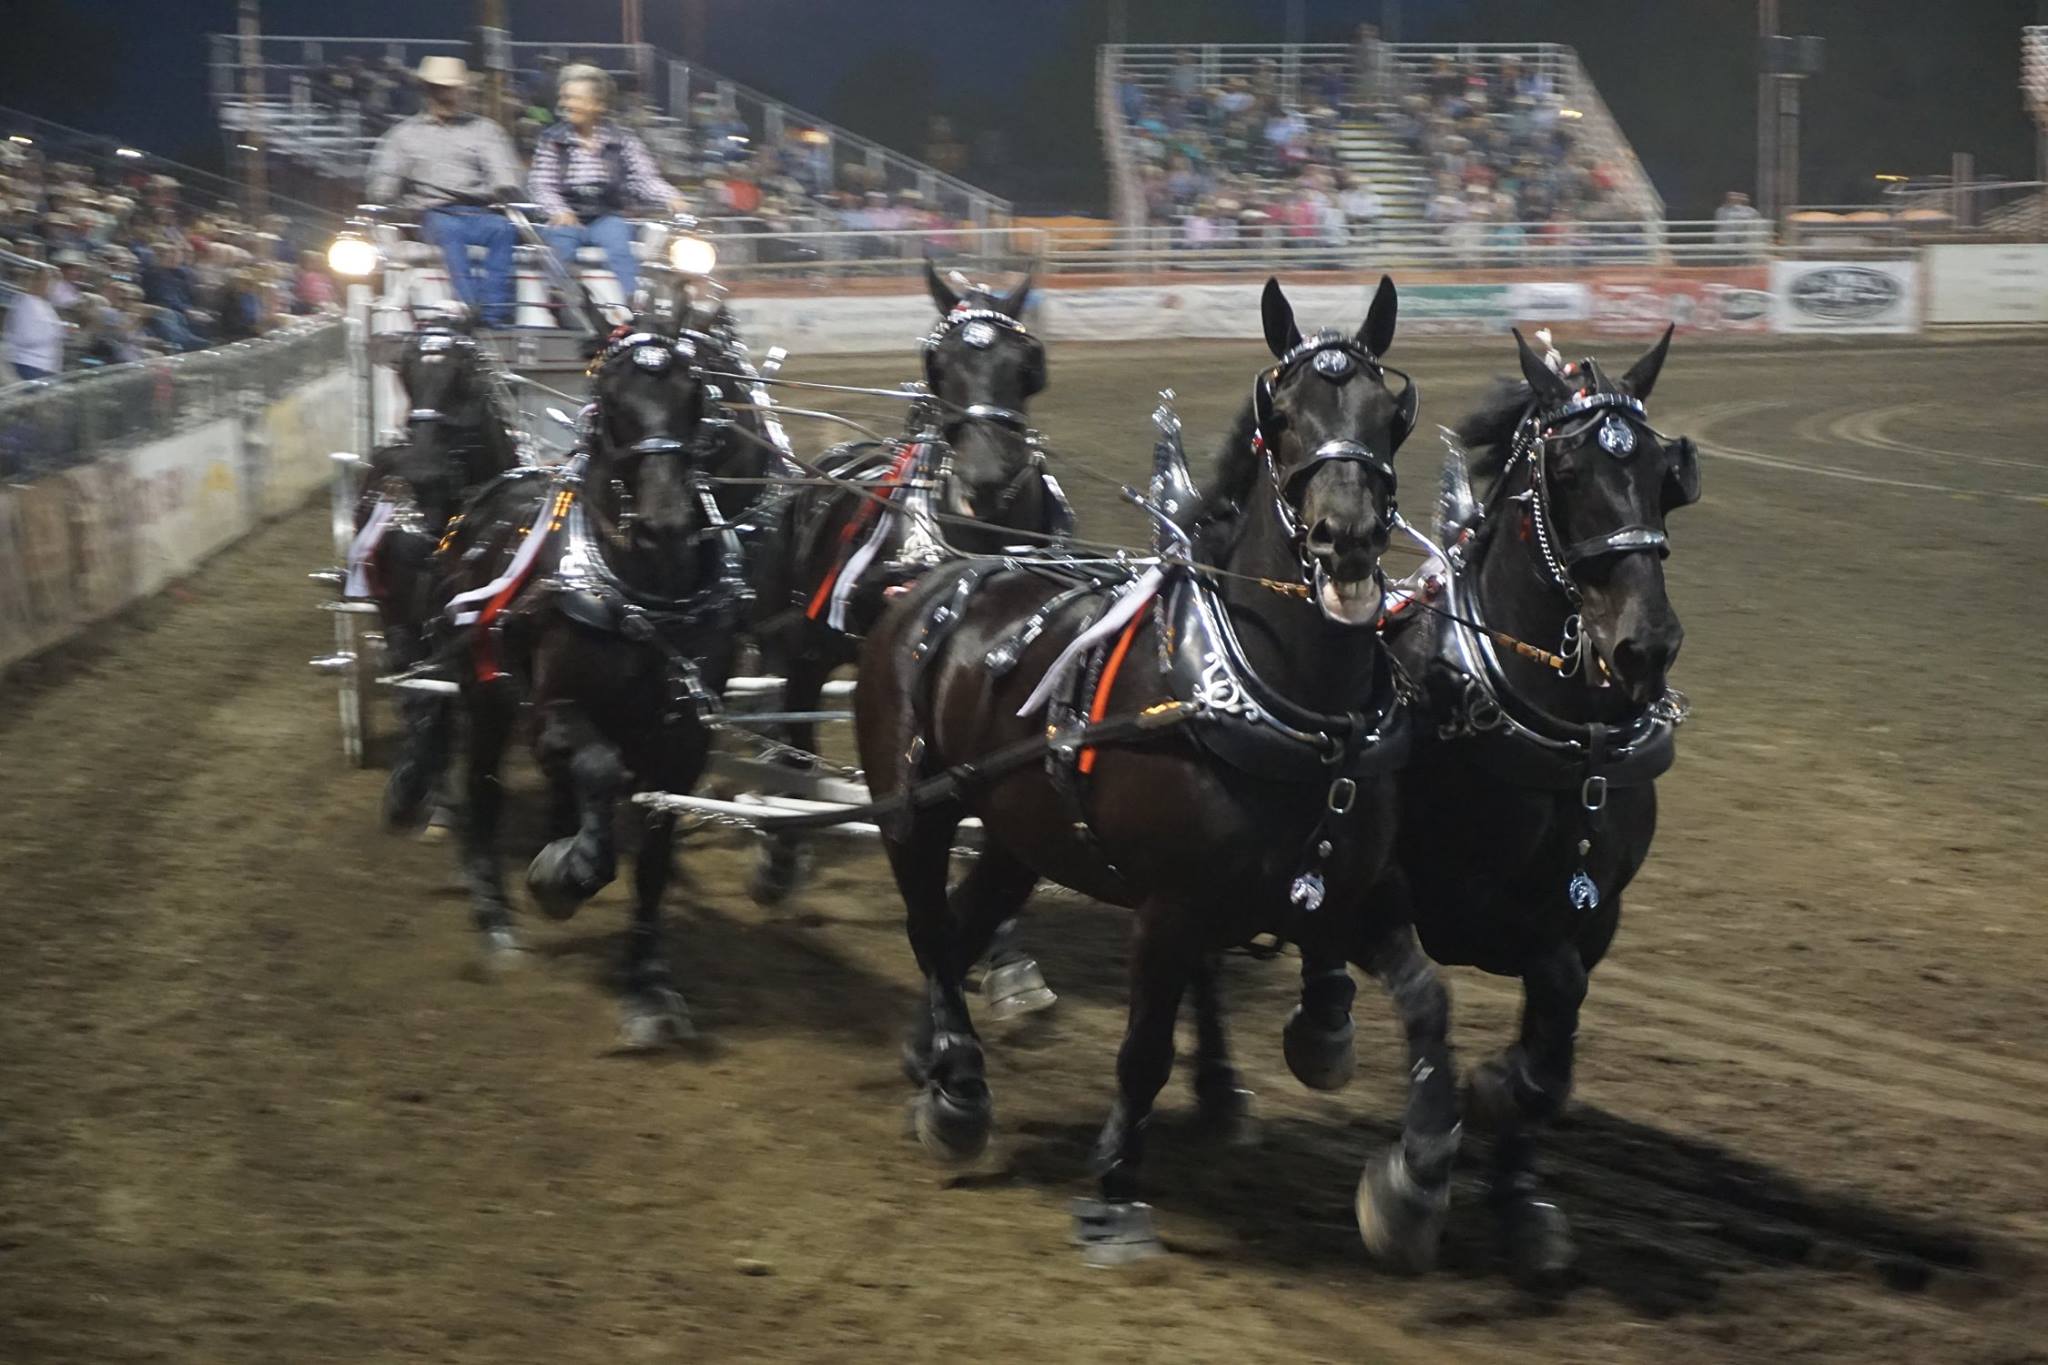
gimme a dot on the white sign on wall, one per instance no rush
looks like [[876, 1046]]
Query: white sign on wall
[[1845, 296], [1985, 283]]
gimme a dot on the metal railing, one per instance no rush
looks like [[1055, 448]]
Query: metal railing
[[1927, 211], [751, 252], [48, 425], [681, 109]]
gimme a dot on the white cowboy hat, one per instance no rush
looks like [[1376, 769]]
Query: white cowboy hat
[[443, 71]]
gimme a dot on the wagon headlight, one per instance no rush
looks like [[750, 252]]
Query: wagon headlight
[[692, 255], [352, 256]]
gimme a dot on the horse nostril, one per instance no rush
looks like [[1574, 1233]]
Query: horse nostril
[[1322, 538]]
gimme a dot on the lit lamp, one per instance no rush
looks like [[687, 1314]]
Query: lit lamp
[[690, 254], [353, 256]]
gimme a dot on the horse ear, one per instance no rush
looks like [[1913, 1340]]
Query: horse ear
[[1378, 332], [1277, 313], [1548, 385], [1682, 481], [942, 293], [1642, 376], [1012, 304]]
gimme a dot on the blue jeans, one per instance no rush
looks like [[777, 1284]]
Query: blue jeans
[[457, 228], [610, 234]]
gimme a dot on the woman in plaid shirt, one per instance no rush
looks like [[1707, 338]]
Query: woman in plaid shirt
[[587, 170]]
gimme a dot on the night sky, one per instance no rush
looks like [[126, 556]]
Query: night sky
[[1907, 81]]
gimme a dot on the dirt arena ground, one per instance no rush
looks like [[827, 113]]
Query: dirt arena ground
[[257, 1105]]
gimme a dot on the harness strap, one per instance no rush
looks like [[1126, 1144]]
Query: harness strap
[[961, 777], [869, 511], [1108, 684]]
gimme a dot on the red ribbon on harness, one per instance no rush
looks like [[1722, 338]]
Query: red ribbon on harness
[[869, 510]]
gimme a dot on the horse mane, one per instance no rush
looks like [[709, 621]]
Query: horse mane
[[1227, 482], [1488, 430]]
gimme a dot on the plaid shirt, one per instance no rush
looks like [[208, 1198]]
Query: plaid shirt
[[559, 163]]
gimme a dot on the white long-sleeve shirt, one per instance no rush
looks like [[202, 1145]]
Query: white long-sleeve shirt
[[34, 334]]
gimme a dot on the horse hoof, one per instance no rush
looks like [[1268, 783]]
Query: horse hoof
[[951, 1128], [1320, 1058], [1401, 1221], [1015, 989], [502, 952], [440, 826], [778, 871], [1227, 1114], [1114, 1235], [1539, 1244], [559, 887], [653, 1019]]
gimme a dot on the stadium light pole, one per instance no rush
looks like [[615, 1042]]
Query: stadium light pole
[[1766, 112], [249, 25], [491, 36]]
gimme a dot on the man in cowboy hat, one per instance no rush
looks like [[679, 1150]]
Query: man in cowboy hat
[[451, 164]]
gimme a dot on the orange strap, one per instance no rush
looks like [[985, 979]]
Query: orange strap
[[1102, 688], [869, 510]]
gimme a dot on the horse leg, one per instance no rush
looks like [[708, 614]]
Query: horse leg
[[491, 711], [1117, 1228], [1012, 983], [424, 720], [1515, 1095], [953, 1113], [1317, 1040], [570, 870], [779, 867], [1224, 1103], [1404, 1195], [653, 1012]]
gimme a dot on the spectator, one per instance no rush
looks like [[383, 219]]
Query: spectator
[[587, 169], [1739, 230], [33, 337], [451, 164]]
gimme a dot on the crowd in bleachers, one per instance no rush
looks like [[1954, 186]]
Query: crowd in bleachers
[[104, 267], [1225, 158]]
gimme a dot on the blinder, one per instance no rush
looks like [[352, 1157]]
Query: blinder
[[1612, 420]]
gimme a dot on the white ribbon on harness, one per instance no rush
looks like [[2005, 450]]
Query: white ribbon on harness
[[466, 607], [363, 546], [1115, 619], [849, 577]]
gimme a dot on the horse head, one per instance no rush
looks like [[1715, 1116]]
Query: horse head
[[1601, 482], [984, 365], [1326, 426], [646, 437], [455, 437]]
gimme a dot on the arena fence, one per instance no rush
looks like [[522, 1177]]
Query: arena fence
[[115, 482]]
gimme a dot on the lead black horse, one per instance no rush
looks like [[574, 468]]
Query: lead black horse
[[608, 595], [1210, 745], [1531, 801]]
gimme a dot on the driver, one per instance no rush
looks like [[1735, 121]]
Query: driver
[[587, 169], [451, 164]]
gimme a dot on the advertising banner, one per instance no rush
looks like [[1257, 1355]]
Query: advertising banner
[[1645, 303], [187, 500], [1985, 283], [1845, 296]]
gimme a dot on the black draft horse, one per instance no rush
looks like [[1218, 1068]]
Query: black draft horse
[[607, 594], [1248, 788], [458, 437], [841, 550], [1530, 802]]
